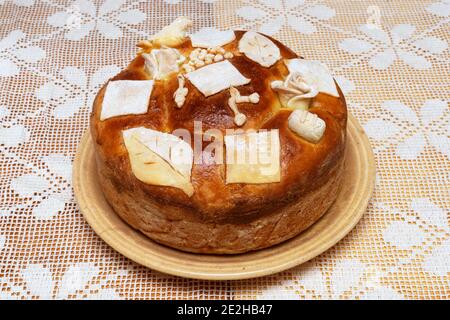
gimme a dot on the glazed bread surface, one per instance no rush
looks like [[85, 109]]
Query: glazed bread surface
[[223, 218]]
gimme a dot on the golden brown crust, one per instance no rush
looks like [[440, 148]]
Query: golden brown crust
[[219, 217], [175, 227]]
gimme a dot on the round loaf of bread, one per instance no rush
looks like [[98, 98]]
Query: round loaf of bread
[[220, 217]]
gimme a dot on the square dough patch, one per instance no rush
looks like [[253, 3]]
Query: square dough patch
[[253, 157], [211, 38], [216, 77], [125, 97]]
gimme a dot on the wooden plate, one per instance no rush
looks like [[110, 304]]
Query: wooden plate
[[350, 205]]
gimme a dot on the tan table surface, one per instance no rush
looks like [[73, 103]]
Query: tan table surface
[[390, 57]]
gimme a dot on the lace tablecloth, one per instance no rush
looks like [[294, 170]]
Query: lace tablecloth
[[391, 59]]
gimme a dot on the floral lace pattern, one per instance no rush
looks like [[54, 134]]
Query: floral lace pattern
[[391, 60]]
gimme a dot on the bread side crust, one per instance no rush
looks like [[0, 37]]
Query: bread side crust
[[194, 235]]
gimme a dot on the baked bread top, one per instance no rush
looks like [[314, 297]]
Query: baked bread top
[[307, 157]]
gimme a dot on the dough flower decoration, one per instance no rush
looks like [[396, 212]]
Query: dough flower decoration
[[159, 63], [294, 92]]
